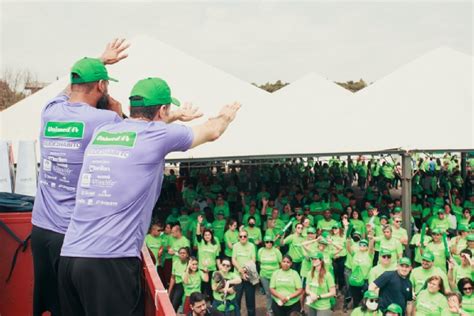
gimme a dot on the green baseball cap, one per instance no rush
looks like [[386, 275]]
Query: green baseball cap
[[317, 255], [470, 237], [437, 231], [336, 225], [441, 210], [428, 256], [311, 230], [268, 238], [463, 228], [364, 241], [397, 210], [151, 92], [395, 308], [89, 70], [405, 260], [370, 295], [385, 252]]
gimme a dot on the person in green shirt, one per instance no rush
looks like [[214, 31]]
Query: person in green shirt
[[294, 242], [176, 242], [369, 305], [164, 270], [320, 287], [427, 269], [154, 242], [399, 232], [208, 252], [286, 289], [436, 246], [192, 279], [254, 232], [231, 237], [176, 288], [226, 289], [416, 244], [326, 223], [269, 258], [384, 264], [388, 242], [242, 253], [454, 303], [339, 240], [459, 242], [440, 222], [357, 223], [457, 271], [431, 300], [362, 260], [221, 205], [466, 288], [218, 226]]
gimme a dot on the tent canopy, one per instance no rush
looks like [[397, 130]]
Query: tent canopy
[[426, 104]]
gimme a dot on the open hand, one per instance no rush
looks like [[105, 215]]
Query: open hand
[[187, 112], [113, 51]]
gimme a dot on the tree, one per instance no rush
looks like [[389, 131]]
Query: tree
[[12, 86], [272, 87], [353, 86]]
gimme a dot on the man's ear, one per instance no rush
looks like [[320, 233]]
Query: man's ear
[[102, 86]]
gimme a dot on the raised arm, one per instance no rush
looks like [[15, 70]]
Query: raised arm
[[214, 127]]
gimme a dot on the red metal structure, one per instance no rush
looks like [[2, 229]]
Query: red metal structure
[[16, 296]]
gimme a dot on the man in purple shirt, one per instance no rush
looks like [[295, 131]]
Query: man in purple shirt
[[67, 125], [119, 184]]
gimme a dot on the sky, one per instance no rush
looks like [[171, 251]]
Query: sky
[[256, 41]]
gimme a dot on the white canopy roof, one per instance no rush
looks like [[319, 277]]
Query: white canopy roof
[[426, 104]]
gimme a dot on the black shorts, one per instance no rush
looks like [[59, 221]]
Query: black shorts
[[46, 248], [100, 286]]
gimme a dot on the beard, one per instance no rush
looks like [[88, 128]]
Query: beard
[[103, 102]]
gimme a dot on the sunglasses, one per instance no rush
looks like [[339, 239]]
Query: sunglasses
[[387, 257], [225, 265], [373, 300], [269, 242], [243, 236], [398, 221], [467, 288]]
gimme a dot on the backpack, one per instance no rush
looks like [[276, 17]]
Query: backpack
[[357, 277]]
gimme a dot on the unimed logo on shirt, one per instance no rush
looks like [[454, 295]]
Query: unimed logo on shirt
[[126, 139], [64, 130]]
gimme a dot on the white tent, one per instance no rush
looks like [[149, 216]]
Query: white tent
[[311, 115]]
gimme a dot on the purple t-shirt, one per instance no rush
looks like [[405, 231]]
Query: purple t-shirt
[[66, 129], [119, 185]]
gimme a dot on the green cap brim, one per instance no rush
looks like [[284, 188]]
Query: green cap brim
[[113, 79], [175, 101]]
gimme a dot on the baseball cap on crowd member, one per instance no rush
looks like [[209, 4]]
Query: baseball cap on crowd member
[[428, 256], [385, 252], [395, 308], [370, 295], [311, 230], [463, 228], [470, 237], [151, 92], [89, 70], [405, 261]]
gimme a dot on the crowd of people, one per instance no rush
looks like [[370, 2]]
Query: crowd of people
[[306, 232]]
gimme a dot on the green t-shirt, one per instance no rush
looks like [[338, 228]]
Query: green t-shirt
[[326, 225], [468, 304], [230, 237], [207, 254], [417, 239], [358, 312], [340, 242], [294, 249], [219, 227], [393, 245], [439, 254], [219, 295], [255, 234], [185, 222], [194, 283], [178, 270], [154, 243], [400, 233], [269, 261], [377, 271], [286, 283], [224, 208], [319, 289], [460, 272], [358, 225], [165, 242], [243, 253], [440, 224], [419, 276], [428, 304], [364, 260], [176, 244]]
